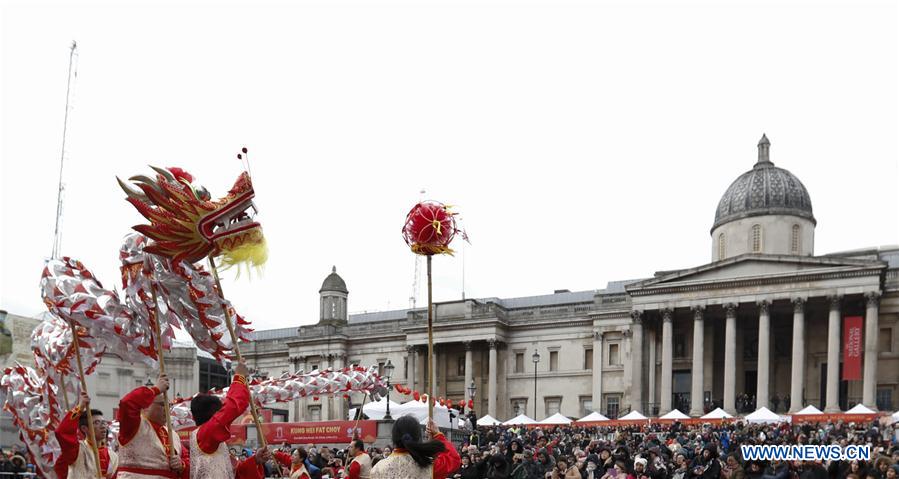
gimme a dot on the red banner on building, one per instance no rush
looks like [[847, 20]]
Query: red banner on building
[[328, 432], [852, 348]]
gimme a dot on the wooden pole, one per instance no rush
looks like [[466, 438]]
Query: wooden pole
[[62, 385], [92, 440], [218, 284], [431, 385], [157, 330]]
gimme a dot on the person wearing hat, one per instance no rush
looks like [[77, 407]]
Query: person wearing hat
[[706, 465]]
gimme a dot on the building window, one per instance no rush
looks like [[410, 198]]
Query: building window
[[614, 356], [314, 413], [885, 399], [212, 375], [680, 346], [405, 367], [720, 246], [612, 404], [460, 366], [756, 238], [519, 406], [104, 383], [553, 360], [586, 405], [553, 405], [794, 240], [380, 368], [315, 367], [588, 358], [885, 340], [519, 362]]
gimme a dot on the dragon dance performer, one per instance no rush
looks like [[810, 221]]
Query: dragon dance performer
[[77, 458], [209, 457], [360, 467], [143, 437]]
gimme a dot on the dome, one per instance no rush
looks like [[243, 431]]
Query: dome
[[764, 190], [334, 283]]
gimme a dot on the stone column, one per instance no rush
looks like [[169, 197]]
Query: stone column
[[597, 370], [667, 360], [730, 358], [698, 374], [832, 398], [797, 365], [436, 374], [491, 392], [762, 392], [869, 384], [469, 369], [651, 370], [410, 373], [637, 359], [326, 399], [422, 370]]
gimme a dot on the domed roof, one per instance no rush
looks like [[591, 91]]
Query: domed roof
[[764, 190], [334, 283]]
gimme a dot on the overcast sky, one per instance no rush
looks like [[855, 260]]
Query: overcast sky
[[581, 142]]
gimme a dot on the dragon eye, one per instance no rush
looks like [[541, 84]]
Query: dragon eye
[[202, 193]]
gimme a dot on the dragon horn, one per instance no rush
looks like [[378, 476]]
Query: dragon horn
[[165, 173], [147, 181], [131, 192]]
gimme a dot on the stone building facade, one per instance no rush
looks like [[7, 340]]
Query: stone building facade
[[763, 318]]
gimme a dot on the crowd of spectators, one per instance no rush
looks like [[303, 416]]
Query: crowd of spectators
[[676, 451]]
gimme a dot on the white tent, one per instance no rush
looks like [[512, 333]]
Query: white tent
[[488, 420], [595, 417], [894, 418], [718, 413], [633, 416], [675, 414], [556, 418], [860, 409], [763, 415], [519, 419], [377, 409], [809, 410]]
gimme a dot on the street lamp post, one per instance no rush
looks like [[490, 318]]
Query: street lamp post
[[536, 358], [388, 372], [472, 390]]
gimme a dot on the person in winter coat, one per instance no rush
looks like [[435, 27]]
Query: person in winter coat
[[497, 467], [732, 468], [519, 468], [706, 465]]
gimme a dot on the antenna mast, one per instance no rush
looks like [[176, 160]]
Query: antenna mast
[[73, 74]]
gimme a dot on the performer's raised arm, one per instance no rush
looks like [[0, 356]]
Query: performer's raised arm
[[133, 403], [214, 418]]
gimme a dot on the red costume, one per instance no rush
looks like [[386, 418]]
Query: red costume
[[130, 424], [67, 434]]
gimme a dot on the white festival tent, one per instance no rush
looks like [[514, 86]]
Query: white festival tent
[[633, 416], [489, 420], [593, 417], [378, 409], [763, 415], [718, 413], [519, 419], [675, 414], [556, 418], [860, 409], [809, 410], [894, 418]]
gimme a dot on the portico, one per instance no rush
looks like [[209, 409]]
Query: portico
[[738, 299]]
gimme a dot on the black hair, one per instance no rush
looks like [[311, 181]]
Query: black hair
[[359, 445], [407, 435], [203, 407], [82, 420], [302, 452]]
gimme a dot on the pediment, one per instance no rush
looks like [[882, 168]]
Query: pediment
[[756, 266]]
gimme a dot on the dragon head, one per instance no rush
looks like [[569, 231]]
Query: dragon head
[[186, 224]]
